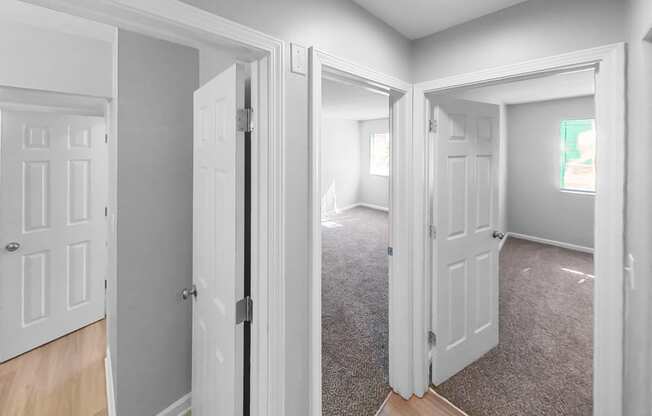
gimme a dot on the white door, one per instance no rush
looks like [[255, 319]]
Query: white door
[[465, 308], [53, 250], [218, 246]]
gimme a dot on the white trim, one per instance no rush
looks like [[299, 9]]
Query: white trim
[[502, 242], [179, 408], [373, 206], [567, 246], [110, 390], [185, 24], [610, 97], [406, 376]]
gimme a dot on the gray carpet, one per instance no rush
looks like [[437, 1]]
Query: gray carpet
[[543, 365], [354, 313]]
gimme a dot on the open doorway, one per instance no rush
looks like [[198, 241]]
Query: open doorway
[[355, 203], [515, 170]]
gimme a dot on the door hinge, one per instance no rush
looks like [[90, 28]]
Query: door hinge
[[432, 338], [390, 251], [105, 284], [246, 120], [244, 310], [432, 126], [432, 231], [106, 211], [106, 138]]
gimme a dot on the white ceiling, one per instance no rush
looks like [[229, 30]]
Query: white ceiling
[[418, 18], [552, 87], [44, 18], [352, 102]]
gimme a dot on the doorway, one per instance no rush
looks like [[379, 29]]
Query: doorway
[[355, 203], [607, 62], [517, 162]]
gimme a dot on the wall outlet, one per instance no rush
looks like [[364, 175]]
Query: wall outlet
[[299, 59]]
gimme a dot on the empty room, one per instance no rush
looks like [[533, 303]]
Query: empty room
[[528, 148], [355, 214]]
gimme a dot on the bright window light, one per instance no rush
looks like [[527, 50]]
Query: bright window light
[[578, 155], [379, 154]]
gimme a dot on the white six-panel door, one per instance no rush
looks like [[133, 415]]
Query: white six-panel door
[[465, 285], [218, 246], [53, 193]]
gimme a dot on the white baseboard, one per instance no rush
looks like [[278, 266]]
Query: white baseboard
[[110, 392], [372, 206], [178, 408], [568, 246], [348, 207]]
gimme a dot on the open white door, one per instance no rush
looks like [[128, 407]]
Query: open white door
[[53, 226], [218, 246], [465, 285]]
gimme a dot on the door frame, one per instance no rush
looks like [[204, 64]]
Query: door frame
[[406, 297], [610, 97], [188, 25]]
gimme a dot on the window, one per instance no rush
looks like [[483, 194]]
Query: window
[[578, 155], [379, 154]]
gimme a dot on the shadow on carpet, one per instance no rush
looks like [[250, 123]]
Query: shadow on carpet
[[354, 313]]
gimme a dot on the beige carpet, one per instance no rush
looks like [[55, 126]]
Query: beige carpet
[[354, 313], [543, 365]]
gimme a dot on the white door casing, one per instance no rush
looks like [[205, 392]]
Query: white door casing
[[218, 245], [53, 196], [465, 308]]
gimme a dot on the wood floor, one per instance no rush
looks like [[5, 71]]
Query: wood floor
[[62, 378], [432, 404]]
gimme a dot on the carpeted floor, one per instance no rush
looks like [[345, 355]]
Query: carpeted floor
[[543, 364], [354, 313]]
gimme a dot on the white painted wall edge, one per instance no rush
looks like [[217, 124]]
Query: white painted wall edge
[[110, 392], [568, 246], [179, 407]]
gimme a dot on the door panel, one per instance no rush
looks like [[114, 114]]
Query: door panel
[[218, 245], [53, 193], [465, 311]]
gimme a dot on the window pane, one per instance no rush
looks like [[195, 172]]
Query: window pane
[[578, 155], [379, 154]]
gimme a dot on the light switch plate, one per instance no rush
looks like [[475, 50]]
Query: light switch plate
[[299, 59]]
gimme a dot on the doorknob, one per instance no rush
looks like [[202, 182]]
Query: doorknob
[[13, 246], [186, 293], [499, 235]]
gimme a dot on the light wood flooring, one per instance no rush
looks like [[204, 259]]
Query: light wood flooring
[[62, 378], [432, 404]]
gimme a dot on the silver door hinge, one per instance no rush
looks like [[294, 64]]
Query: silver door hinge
[[244, 310], [390, 251], [105, 284], [106, 138], [246, 120], [432, 338], [432, 126], [432, 231], [106, 211]]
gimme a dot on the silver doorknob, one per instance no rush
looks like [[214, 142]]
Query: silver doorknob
[[499, 235], [186, 293], [13, 246]]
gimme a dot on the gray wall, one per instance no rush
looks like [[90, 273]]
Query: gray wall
[[344, 29], [535, 204], [152, 351], [639, 206], [374, 189], [529, 30], [340, 181]]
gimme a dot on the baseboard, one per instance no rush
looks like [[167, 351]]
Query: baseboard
[[179, 408], [568, 246], [348, 207], [110, 392], [502, 242], [372, 206]]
